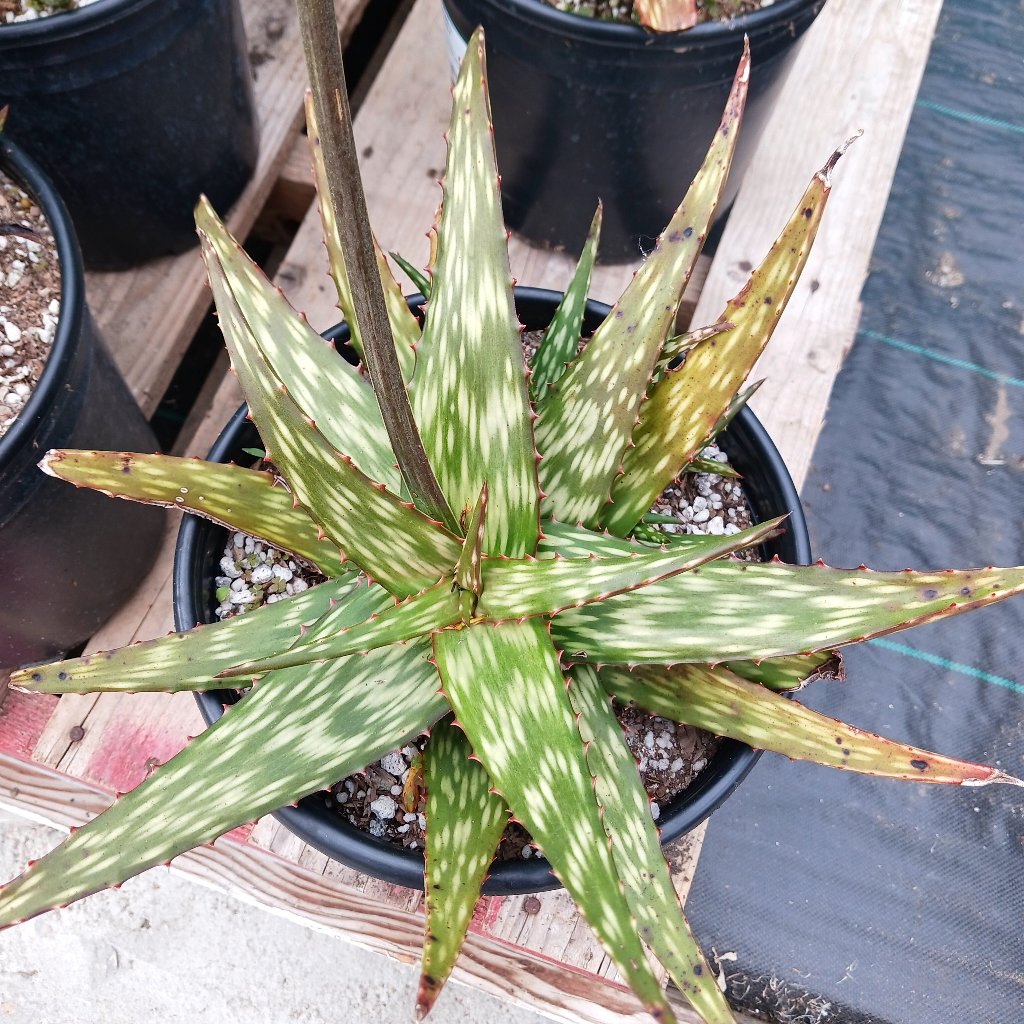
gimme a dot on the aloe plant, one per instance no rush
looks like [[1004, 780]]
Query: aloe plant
[[506, 591]]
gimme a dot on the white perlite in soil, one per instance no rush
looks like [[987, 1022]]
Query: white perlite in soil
[[29, 298], [387, 799], [28, 10], [252, 574]]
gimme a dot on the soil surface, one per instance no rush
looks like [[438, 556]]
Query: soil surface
[[29, 298], [622, 10], [28, 10]]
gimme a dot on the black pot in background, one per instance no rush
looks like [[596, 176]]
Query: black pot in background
[[586, 109], [134, 108], [201, 545], [70, 557]]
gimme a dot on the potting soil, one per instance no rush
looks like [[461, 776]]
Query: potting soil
[[833, 897]]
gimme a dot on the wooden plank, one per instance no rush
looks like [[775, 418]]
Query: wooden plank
[[859, 67], [257, 876], [148, 315]]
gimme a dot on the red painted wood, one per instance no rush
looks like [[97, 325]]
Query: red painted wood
[[128, 751], [22, 719]]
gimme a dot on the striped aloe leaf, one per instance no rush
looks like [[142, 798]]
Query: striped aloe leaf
[[465, 820], [546, 586], [507, 689], [685, 406], [469, 395], [433, 609], [404, 325], [420, 281], [346, 413], [391, 541], [561, 340], [187, 661], [722, 703], [240, 499], [585, 421], [734, 610], [635, 845], [295, 733]]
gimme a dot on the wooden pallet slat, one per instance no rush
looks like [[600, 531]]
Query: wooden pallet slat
[[148, 315]]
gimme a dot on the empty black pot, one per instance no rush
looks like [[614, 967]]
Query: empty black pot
[[201, 545], [69, 557], [133, 108], [586, 109]]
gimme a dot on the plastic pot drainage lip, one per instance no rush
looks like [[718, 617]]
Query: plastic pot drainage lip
[[200, 545]]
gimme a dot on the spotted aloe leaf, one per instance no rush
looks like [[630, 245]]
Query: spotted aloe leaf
[[567, 541], [469, 395], [504, 589], [190, 660], [420, 281], [295, 733], [240, 499], [546, 586], [734, 610], [636, 849], [507, 689], [561, 340], [716, 700], [687, 403], [346, 413], [390, 540], [465, 820], [434, 608], [404, 326], [586, 419]]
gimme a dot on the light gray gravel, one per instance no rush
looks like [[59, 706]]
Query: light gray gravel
[[165, 949]]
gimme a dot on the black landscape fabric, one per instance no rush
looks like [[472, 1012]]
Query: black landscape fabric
[[833, 897]]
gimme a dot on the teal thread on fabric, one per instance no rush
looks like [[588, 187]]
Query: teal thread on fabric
[[971, 117], [938, 357], [952, 666]]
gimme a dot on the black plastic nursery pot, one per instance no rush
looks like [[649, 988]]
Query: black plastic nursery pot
[[134, 108], [200, 546], [70, 556], [586, 109]]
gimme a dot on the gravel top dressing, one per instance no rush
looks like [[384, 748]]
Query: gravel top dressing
[[29, 298], [387, 799], [28, 10]]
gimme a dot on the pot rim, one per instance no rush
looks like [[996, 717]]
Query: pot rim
[[326, 830], [16, 163], [68, 24], [610, 33]]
